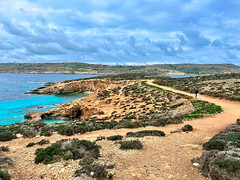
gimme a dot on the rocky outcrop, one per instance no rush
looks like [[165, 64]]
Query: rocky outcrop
[[68, 111], [76, 109], [63, 87]]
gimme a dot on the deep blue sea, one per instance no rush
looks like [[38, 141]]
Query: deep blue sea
[[14, 104]]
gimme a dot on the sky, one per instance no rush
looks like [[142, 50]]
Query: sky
[[124, 32]]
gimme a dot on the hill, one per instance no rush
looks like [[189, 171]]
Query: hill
[[84, 68]]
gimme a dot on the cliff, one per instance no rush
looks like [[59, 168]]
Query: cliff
[[64, 87], [78, 109]]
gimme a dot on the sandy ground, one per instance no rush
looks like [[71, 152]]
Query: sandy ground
[[161, 158]]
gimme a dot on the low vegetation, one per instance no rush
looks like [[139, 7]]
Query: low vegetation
[[94, 170], [74, 149], [115, 138], [42, 142], [5, 161], [145, 133], [4, 175], [4, 149], [6, 135], [219, 85], [134, 144], [187, 128], [221, 159]]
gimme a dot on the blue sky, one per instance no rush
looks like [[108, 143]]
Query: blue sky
[[120, 31]]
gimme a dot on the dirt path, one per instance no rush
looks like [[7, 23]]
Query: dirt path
[[161, 158]]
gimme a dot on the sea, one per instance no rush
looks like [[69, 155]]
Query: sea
[[14, 103], [180, 76]]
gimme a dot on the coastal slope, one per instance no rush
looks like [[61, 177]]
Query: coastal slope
[[162, 158]]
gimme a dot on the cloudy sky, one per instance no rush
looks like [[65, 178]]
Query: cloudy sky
[[120, 31]]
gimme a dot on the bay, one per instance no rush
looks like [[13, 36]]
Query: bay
[[14, 104]]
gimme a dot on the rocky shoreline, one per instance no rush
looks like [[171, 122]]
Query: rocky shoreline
[[77, 108]]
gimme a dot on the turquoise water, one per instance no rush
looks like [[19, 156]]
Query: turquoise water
[[14, 104]]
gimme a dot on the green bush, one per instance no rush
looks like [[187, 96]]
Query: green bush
[[214, 145], [230, 165], [74, 149], [136, 144], [46, 133], [115, 138], [43, 141], [66, 158], [99, 171], [5, 161], [86, 161], [66, 130], [187, 128], [6, 135], [145, 133], [238, 122], [47, 155], [233, 137], [4, 149], [110, 176], [31, 144], [4, 175]]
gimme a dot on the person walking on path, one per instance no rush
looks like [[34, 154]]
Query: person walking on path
[[197, 94]]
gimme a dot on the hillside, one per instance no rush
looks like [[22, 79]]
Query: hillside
[[84, 68]]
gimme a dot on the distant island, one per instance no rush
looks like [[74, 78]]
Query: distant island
[[84, 68]]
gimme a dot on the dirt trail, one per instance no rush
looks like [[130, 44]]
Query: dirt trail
[[162, 157]]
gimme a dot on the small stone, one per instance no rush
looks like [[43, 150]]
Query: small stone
[[133, 174], [92, 173], [38, 136], [195, 164]]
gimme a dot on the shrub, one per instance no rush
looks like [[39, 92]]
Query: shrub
[[86, 161], [187, 128], [145, 133], [30, 133], [66, 130], [233, 137], [66, 158], [110, 176], [5, 161], [74, 149], [136, 144], [238, 121], [99, 171], [46, 133], [49, 154], [4, 175], [31, 144], [214, 144], [6, 135], [230, 165], [43, 141], [115, 138], [4, 148]]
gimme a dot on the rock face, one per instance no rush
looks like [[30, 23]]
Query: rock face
[[76, 109], [68, 111], [63, 87]]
